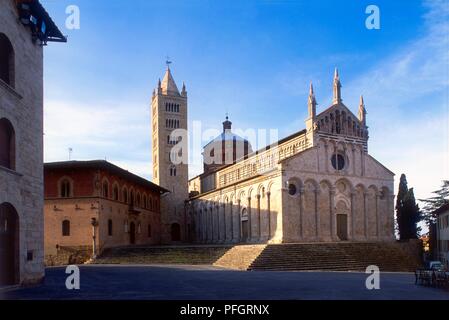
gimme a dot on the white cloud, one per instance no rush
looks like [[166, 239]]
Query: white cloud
[[407, 101]]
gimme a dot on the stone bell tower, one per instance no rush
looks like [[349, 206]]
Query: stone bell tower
[[170, 155]]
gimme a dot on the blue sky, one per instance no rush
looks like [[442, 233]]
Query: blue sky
[[253, 59]]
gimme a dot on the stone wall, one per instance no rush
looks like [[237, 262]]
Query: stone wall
[[22, 104]]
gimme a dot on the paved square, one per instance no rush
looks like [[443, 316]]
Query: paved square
[[206, 282]]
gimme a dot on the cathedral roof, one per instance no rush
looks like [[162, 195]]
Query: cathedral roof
[[227, 134], [168, 84]]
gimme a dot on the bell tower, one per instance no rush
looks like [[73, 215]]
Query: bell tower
[[170, 155]]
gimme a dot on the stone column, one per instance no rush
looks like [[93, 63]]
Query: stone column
[[259, 222], [239, 216], [212, 223], [377, 215], [224, 222], [326, 152], [333, 216], [365, 214], [231, 210], [269, 214], [250, 226], [362, 159], [353, 160], [317, 215], [204, 214], [301, 212], [352, 215], [217, 209], [206, 224]]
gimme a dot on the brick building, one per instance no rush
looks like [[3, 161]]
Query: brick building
[[87, 197], [25, 27]]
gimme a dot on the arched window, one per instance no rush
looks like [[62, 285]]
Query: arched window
[[125, 195], [65, 188], [131, 197], [7, 144], [65, 228], [6, 60], [109, 227], [144, 201], [105, 189], [150, 204], [173, 171], [115, 192], [149, 231], [138, 199]]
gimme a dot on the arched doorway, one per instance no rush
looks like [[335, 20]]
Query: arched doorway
[[245, 225], [9, 245], [175, 232], [132, 233], [342, 220]]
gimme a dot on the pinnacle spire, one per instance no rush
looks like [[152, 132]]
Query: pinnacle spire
[[312, 102], [362, 111], [168, 83], [337, 88]]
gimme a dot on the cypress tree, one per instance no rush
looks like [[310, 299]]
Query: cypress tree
[[402, 192], [408, 214]]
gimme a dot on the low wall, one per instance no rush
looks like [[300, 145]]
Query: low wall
[[69, 255]]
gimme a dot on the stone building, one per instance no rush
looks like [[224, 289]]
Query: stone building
[[318, 184], [25, 27], [170, 171], [442, 232], [87, 198]]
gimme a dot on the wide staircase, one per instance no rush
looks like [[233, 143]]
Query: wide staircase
[[342, 256], [193, 255]]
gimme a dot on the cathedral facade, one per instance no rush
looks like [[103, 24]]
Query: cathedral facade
[[319, 184]]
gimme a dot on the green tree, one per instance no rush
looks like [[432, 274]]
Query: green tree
[[408, 214], [440, 198]]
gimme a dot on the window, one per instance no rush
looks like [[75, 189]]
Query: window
[[131, 198], [115, 193], [65, 188], [338, 161], [151, 203], [292, 189], [144, 201], [138, 200], [125, 195], [106, 189], [7, 144], [109, 227], [6, 60], [149, 231], [65, 228], [173, 171]]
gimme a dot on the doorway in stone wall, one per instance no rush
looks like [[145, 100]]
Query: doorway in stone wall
[[342, 227], [342, 211], [9, 245]]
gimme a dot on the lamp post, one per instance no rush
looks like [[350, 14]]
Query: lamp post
[[94, 223]]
